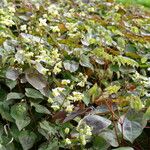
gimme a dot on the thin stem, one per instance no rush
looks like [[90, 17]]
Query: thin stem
[[113, 120]]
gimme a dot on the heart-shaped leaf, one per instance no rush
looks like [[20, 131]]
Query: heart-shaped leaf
[[27, 139], [72, 66], [132, 125], [35, 79], [20, 113]]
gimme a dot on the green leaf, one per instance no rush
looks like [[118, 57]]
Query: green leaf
[[85, 62], [100, 144], [2, 147], [133, 125], [11, 84], [5, 113], [136, 103], [72, 66], [147, 114], [27, 139], [94, 91], [14, 95], [114, 68], [3, 95], [48, 127], [86, 99], [53, 145], [20, 114], [33, 93], [40, 109], [22, 123]]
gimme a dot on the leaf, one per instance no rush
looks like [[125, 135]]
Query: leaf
[[53, 145], [14, 95], [147, 114], [27, 139], [48, 127], [104, 109], [133, 124], [72, 66], [94, 91], [40, 109], [86, 99], [75, 114], [2, 147], [12, 74], [124, 148], [22, 123], [32, 38], [100, 144], [5, 113], [11, 84], [110, 137], [114, 68], [85, 62], [136, 103], [20, 114], [98, 123], [30, 92], [35, 79]]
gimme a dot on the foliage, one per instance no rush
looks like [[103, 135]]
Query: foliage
[[141, 2], [73, 74]]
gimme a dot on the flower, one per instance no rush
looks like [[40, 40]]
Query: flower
[[55, 28], [83, 80], [69, 108], [11, 9], [67, 130], [50, 100], [23, 27], [56, 70], [55, 107], [65, 82], [42, 22], [57, 67], [56, 91], [67, 141], [85, 132], [83, 140], [76, 96], [53, 10]]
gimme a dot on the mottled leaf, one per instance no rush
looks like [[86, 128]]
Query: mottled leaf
[[14, 95], [72, 66], [33, 93], [133, 124], [12, 74], [27, 139], [98, 123]]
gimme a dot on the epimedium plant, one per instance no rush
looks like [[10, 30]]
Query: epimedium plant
[[73, 74]]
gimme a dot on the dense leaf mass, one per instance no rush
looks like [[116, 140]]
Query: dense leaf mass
[[74, 74]]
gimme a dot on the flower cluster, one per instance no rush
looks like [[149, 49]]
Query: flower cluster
[[85, 132], [7, 15], [83, 80], [76, 96]]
